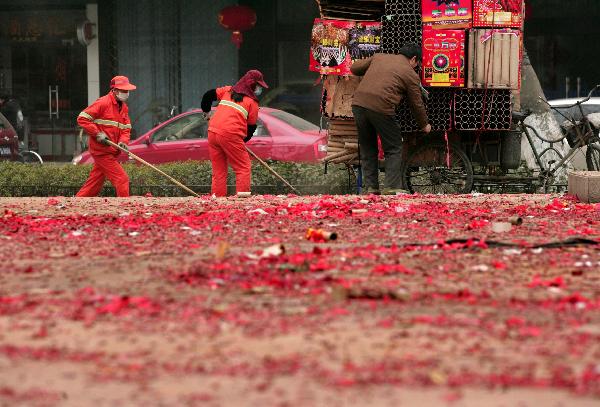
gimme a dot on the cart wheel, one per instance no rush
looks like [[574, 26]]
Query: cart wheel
[[592, 157], [425, 171]]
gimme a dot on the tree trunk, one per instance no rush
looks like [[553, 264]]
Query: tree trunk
[[541, 119]]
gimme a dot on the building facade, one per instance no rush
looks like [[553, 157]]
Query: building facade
[[57, 56]]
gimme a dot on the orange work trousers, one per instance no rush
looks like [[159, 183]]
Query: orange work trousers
[[105, 166], [230, 150]]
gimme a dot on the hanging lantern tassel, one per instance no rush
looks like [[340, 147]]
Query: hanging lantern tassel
[[237, 19], [237, 38]]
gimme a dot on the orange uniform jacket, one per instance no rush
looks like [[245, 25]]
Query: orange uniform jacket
[[104, 116], [231, 117]]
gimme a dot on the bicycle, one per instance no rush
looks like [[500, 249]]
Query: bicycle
[[580, 133]]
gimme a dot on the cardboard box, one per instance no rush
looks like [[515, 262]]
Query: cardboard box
[[447, 14], [335, 44], [443, 57], [585, 185], [495, 58], [498, 13], [339, 93]]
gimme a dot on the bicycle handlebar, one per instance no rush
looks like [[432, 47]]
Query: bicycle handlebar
[[589, 96]]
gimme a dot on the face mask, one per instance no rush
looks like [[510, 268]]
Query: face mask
[[258, 90], [122, 96]]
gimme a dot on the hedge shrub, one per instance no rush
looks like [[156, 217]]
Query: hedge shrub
[[64, 179]]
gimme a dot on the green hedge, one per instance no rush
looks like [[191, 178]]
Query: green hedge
[[53, 179]]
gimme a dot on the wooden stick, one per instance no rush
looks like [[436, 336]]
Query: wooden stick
[[272, 171], [338, 155], [345, 158], [344, 140], [135, 157]]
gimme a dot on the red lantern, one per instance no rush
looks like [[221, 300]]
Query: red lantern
[[237, 19]]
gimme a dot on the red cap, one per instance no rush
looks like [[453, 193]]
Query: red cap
[[121, 82], [257, 76]]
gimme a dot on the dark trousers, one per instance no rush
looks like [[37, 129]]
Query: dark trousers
[[370, 124]]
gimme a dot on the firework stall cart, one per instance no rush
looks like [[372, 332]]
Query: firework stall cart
[[471, 70]]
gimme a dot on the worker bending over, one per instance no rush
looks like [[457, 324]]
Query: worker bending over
[[388, 79], [232, 125]]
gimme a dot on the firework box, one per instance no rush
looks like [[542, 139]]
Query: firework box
[[494, 58], [447, 14], [443, 57], [498, 13], [335, 44]]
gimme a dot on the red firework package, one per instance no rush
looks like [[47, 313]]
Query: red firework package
[[335, 44], [329, 53], [320, 235], [446, 14], [498, 13], [443, 57]]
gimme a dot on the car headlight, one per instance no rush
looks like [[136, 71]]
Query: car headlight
[[77, 159], [323, 148]]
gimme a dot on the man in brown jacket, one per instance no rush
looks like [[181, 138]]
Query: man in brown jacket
[[388, 79]]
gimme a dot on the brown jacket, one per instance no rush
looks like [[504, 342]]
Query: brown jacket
[[387, 80]]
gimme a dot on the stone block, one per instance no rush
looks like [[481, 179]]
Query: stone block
[[585, 185]]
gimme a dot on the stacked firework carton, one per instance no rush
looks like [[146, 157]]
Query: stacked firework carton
[[472, 53], [493, 28]]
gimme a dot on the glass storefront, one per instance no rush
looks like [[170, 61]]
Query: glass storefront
[[43, 66]]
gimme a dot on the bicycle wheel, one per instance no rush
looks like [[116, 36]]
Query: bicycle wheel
[[30, 157], [425, 171], [592, 157]]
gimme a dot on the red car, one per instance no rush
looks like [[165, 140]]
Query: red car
[[279, 136], [9, 142]]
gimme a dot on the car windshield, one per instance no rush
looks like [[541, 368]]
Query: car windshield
[[191, 126], [294, 121]]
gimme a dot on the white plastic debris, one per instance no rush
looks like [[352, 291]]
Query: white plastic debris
[[271, 251], [258, 211], [501, 227]]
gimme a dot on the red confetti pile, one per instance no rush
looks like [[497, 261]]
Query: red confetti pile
[[237, 303]]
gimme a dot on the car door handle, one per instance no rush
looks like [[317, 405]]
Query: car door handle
[[192, 147], [260, 142]]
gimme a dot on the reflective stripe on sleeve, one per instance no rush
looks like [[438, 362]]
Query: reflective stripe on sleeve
[[87, 116], [112, 123]]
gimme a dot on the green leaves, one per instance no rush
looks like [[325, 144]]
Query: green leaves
[[65, 179]]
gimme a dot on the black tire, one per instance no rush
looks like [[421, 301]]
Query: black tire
[[425, 170], [592, 157]]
